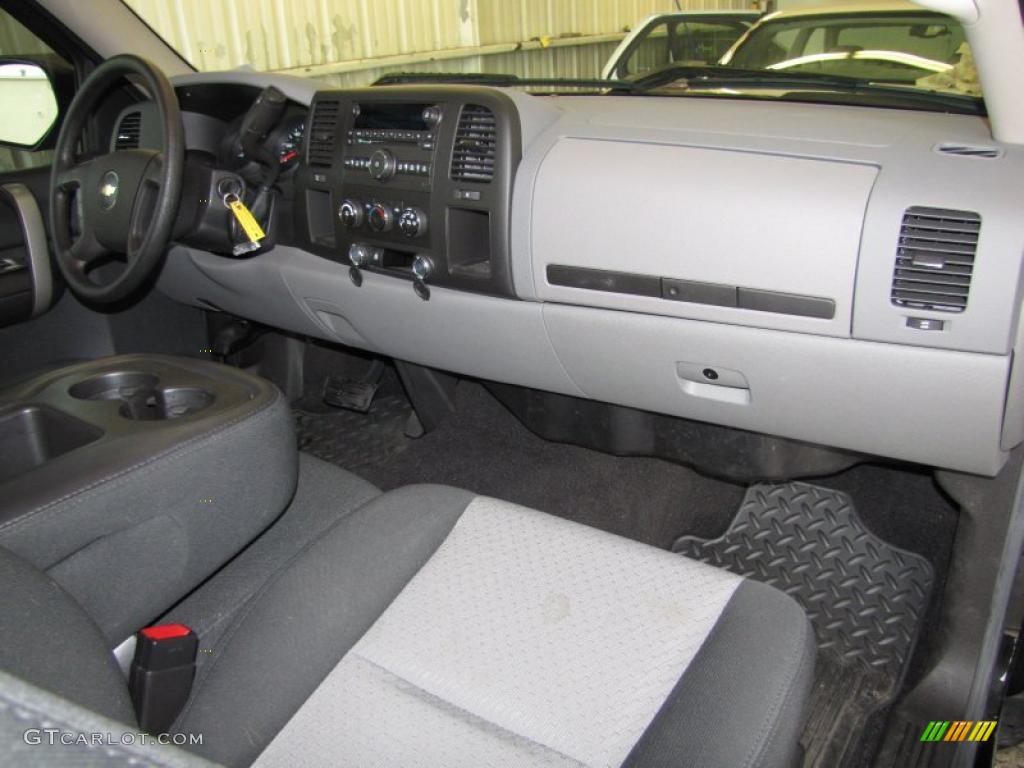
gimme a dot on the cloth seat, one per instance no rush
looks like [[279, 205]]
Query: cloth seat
[[435, 627]]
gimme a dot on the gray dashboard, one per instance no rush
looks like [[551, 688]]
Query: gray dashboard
[[728, 261]]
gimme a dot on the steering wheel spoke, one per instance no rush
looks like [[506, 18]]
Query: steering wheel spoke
[[73, 177], [87, 250], [146, 199]]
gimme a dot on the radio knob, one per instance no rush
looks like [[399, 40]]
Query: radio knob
[[358, 255], [382, 165], [432, 115], [351, 213], [412, 222], [380, 218], [422, 266]]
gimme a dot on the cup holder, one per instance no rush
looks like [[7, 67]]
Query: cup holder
[[167, 403], [115, 386], [142, 398]]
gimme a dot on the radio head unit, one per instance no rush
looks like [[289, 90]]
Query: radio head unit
[[387, 123], [392, 140]]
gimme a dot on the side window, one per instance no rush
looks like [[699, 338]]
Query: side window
[[650, 52], [17, 40]]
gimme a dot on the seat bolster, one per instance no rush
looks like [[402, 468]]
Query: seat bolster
[[325, 494], [292, 633], [49, 641], [756, 667]]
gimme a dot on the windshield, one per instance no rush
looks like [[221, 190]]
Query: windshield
[[918, 50], [684, 38], [639, 47]]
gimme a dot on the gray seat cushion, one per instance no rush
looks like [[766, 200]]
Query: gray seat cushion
[[293, 632], [743, 699], [430, 618], [430, 626]]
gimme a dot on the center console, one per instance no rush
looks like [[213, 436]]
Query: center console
[[131, 479], [412, 182]]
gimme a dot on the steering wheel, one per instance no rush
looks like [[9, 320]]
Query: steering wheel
[[126, 201]]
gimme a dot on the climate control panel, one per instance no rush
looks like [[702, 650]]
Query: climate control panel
[[382, 217]]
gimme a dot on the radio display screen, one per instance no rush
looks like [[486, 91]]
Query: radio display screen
[[398, 117]]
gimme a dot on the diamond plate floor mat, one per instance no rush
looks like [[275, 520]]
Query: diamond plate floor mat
[[353, 440], [864, 597]]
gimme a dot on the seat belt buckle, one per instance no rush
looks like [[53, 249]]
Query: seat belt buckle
[[161, 674]]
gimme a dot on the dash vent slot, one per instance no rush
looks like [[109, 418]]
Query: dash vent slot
[[969, 150], [323, 132], [129, 131], [935, 259], [476, 142]]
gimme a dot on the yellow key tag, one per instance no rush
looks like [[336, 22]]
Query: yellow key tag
[[246, 220]]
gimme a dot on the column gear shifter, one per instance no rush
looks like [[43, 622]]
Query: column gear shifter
[[263, 115]]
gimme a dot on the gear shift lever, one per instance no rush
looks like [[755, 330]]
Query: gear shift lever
[[262, 116]]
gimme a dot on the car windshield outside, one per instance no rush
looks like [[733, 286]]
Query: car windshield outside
[[920, 50], [690, 38], [886, 53]]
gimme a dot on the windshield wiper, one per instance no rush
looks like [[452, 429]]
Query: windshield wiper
[[500, 81], [690, 77], [695, 75]]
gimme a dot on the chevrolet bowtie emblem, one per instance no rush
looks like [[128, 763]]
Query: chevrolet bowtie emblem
[[108, 190]]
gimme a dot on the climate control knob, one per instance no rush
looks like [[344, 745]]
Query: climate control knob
[[382, 165], [351, 213], [380, 218], [412, 222]]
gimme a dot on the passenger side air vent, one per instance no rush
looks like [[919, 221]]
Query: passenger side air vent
[[969, 150], [128, 131], [322, 132], [935, 259], [476, 144]]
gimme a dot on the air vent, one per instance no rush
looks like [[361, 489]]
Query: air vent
[[322, 133], [475, 145], [128, 131], [935, 259], [969, 150]]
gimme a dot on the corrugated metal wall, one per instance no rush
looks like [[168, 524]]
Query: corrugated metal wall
[[353, 42]]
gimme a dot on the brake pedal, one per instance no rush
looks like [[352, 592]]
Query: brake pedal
[[354, 394], [349, 394]]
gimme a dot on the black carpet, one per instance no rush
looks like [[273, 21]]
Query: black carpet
[[484, 448]]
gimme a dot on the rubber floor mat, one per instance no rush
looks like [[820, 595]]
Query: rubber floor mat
[[353, 440], [864, 597]]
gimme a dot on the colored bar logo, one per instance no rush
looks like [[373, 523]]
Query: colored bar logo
[[958, 730]]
